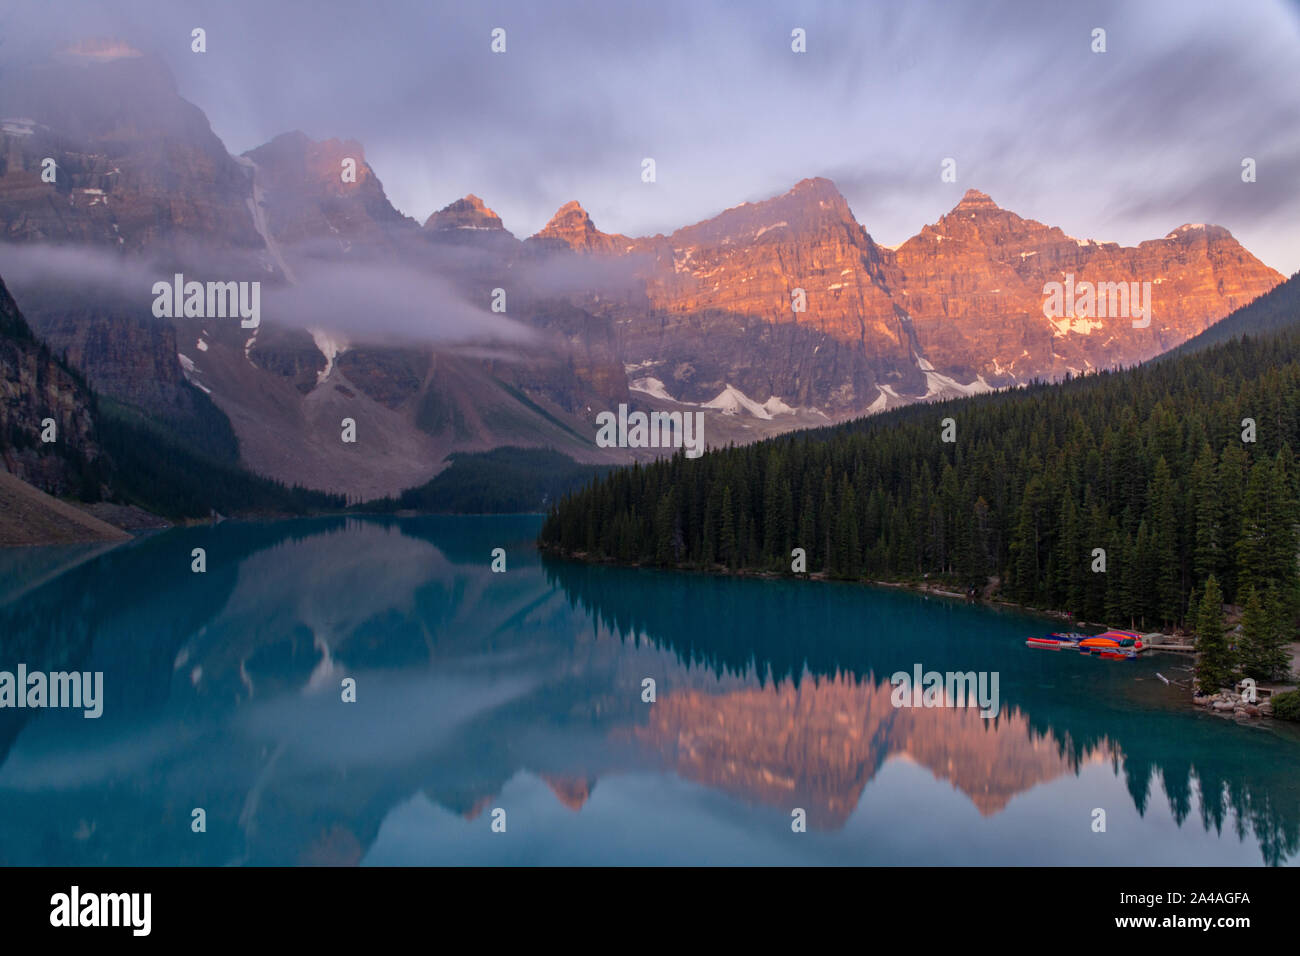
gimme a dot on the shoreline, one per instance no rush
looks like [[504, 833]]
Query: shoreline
[[913, 586], [142, 525], [1230, 704]]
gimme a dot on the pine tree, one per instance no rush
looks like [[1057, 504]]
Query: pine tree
[[665, 526], [708, 551], [981, 559], [1231, 490], [727, 531], [1167, 595], [807, 537], [772, 515], [846, 533], [1024, 546], [786, 515], [1254, 552], [1262, 647], [1208, 554], [1095, 582], [1214, 661], [1285, 535], [1064, 554], [826, 522]]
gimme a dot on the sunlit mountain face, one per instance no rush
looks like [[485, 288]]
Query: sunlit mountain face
[[522, 692]]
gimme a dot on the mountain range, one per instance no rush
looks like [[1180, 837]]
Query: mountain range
[[454, 335]]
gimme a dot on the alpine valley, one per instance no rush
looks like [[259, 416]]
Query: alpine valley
[[370, 315]]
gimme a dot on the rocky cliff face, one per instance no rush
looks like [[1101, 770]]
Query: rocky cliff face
[[136, 165], [788, 299], [35, 386], [323, 192], [750, 260], [142, 188], [972, 285], [957, 309], [123, 355]]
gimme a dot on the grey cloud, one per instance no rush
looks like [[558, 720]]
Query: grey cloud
[[1097, 144], [369, 302], [376, 302]]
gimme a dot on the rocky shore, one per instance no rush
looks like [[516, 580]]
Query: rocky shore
[[1229, 703]]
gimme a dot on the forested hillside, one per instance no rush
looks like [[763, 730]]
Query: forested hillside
[[502, 481], [1274, 311], [1177, 471], [153, 468]]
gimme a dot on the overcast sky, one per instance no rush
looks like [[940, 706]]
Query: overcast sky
[[1121, 146]]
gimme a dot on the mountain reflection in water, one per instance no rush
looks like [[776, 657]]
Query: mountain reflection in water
[[522, 691]]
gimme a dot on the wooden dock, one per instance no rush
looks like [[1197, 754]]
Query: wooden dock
[[1156, 642]]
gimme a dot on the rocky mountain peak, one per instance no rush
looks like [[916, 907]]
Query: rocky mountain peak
[[814, 202], [1198, 231], [568, 217], [572, 226], [302, 187], [975, 200], [810, 208], [816, 187], [139, 166], [978, 219], [297, 156], [467, 213]]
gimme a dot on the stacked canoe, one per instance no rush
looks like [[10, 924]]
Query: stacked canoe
[[1056, 642], [1111, 645]]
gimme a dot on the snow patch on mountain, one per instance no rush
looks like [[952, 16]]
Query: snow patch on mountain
[[331, 345], [654, 387], [775, 406], [191, 374], [888, 398], [938, 384], [1079, 326], [776, 225], [732, 401]]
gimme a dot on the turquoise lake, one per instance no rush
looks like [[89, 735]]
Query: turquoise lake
[[516, 698]]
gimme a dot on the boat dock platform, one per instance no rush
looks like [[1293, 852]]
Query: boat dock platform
[[1162, 642]]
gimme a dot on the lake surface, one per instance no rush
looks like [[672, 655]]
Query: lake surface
[[517, 696]]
